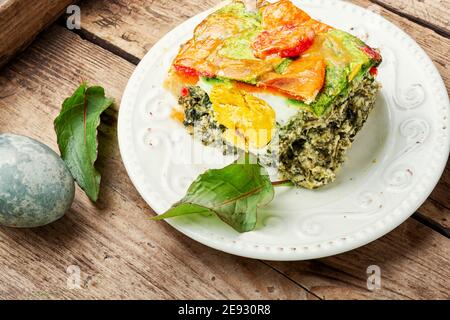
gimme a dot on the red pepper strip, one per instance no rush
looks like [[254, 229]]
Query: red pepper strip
[[373, 54], [298, 50], [184, 92], [186, 70], [287, 41]]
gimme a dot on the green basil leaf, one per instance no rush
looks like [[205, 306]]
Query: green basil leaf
[[76, 130], [233, 193]]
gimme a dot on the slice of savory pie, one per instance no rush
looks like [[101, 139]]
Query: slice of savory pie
[[277, 83]]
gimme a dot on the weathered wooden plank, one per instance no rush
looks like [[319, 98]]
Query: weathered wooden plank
[[120, 252], [133, 27], [441, 193], [437, 207], [130, 28], [22, 20], [434, 14], [413, 261]]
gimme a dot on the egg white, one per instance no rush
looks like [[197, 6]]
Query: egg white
[[283, 110]]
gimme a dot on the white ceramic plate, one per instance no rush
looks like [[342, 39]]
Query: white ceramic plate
[[395, 162]]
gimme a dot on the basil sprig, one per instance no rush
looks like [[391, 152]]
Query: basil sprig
[[76, 130]]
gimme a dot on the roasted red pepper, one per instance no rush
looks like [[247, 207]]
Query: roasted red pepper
[[372, 53], [304, 45], [184, 92], [186, 70], [288, 41]]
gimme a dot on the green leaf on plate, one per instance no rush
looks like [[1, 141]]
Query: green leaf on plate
[[76, 130], [233, 193]]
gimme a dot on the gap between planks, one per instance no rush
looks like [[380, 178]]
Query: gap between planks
[[430, 223], [291, 279]]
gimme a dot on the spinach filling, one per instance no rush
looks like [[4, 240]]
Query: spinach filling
[[312, 149], [198, 117], [309, 149]]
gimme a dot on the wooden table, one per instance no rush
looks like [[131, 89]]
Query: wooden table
[[119, 252]]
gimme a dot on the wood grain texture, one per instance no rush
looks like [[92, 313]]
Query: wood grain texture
[[434, 14], [404, 257], [121, 254], [22, 20], [130, 27]]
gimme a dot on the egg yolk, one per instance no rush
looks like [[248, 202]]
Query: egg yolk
[[249, 121]]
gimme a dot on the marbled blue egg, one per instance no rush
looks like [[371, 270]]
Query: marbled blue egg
[[36, 187]]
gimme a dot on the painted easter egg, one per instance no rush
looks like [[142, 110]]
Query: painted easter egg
[[36, 187]]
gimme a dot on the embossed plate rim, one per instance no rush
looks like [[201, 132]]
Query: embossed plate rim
[[320, 248]]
